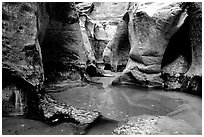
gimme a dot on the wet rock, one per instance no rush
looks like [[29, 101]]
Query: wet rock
[[8, 105], [138, 79], [22, 126], [154, 125], [54, 111], [19, 98], [22, 66], [192, 85]]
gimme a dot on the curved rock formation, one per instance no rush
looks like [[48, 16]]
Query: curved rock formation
[[54, 29], [193, 81], [119, 45], [184, 69], [61, 42], [156, 31]]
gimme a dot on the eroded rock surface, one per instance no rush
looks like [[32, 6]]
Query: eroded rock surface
[[22, 67], [101, 23], [21, 54], [54, 111], [157, 38], [62, 46], [54, 28]]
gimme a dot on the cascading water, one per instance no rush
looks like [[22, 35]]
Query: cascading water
[[18, 103]]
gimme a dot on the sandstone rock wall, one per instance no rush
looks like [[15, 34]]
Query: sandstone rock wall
[[158, 34], [102, 23], [54, 28], [22, 68], [62, 45], [21, 54]]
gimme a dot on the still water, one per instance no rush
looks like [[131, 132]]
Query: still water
[[116, 104]]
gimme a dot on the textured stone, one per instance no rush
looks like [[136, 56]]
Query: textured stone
[[21, 54], [62, 46], [88, 46], [184, 68], [158, 33], [22, 68], [118, 48], [149, 37], [193, 82], [148, 32], [54, 111], [56, 27], [154, 125]]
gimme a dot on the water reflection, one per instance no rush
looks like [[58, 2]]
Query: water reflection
[[120, 103]]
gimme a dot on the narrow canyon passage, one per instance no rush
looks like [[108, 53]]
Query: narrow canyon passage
[[101, 68]]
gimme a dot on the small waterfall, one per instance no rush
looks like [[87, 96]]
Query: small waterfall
[[19, 106]]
